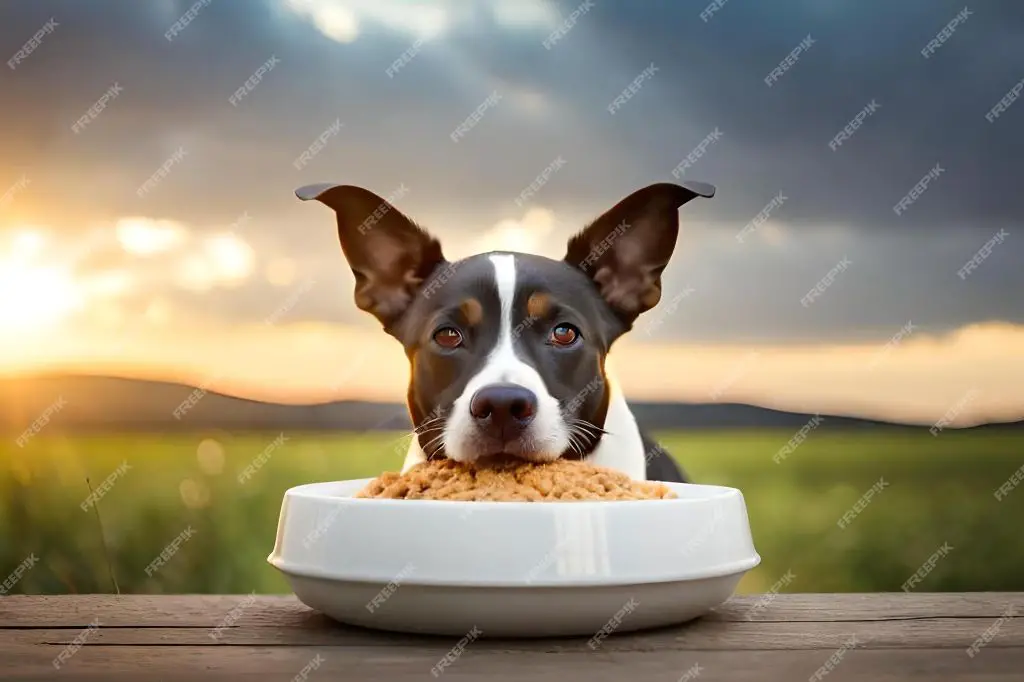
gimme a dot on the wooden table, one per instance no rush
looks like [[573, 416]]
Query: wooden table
[[794, 637]]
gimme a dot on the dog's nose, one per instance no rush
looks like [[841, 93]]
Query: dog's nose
[[503, 409]]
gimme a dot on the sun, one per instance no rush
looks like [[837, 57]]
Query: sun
[[33, 296]]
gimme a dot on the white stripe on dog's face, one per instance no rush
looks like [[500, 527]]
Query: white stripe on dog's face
[[547, 436]]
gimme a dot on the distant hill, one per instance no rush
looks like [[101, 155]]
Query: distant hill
[[115, 404]]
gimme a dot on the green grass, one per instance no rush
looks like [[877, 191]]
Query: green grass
[[938, 490]]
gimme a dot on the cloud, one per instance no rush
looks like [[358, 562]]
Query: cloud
[[342, 20], [146, 237], [528, 234], [554, 102]]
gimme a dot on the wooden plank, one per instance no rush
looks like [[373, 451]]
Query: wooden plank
[[130, 664], [77, 611], [938, 633]]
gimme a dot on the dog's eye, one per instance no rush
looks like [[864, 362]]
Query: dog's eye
[[564, 335], [448, 337]]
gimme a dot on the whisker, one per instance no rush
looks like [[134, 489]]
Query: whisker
[[592, 427], [439, 439], [427, 423]]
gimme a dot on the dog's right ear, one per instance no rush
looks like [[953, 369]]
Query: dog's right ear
[[390, 255]]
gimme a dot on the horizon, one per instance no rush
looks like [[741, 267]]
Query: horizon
[[192, 393]]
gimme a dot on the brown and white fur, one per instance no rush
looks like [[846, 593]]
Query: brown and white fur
[[507, 350]]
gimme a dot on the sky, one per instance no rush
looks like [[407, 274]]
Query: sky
[[148, 225]]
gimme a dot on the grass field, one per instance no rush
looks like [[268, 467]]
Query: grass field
[[931, 491]]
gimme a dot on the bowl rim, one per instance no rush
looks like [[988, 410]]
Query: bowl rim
[[309, 491]]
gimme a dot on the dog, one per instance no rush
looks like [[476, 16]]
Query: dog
[[507, 350]]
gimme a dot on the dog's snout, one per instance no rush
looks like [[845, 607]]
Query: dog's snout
[[504, 409]]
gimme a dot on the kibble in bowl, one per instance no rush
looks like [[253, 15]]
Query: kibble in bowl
[[512, 480]]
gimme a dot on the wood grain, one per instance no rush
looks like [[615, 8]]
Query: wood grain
[[210, 610], [939, 633], [133, 664], [773, 637]]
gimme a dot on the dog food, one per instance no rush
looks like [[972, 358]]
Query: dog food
[[512, 480]]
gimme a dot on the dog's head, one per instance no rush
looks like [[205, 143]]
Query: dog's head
[[507, 350]]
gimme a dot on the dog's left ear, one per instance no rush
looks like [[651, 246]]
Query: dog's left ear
[[625, 250], [390, 255]]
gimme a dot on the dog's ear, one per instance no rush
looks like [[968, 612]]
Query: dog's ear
[[390, 255], [625, 250]]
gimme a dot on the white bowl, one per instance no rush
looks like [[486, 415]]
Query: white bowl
[[519, 569]]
